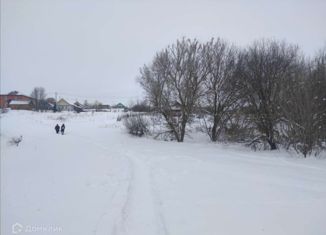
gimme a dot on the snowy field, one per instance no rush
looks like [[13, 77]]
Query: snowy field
[[96, 179]]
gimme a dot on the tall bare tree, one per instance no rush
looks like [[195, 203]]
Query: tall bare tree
[[318, 76], [263, 67], [221, 94], [304, 107], [174, 80], [298, 108], [39, 95]]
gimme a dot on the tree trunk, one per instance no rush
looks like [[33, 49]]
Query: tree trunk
[[272, 145], [183, 130], [214, 131]]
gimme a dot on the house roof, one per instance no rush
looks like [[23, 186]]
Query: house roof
[[62, 101], [13, 95], [79, 105], [19, 102], [69, 100], [119, 106]]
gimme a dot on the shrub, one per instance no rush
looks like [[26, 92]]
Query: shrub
[[16, 140], [4, 110], [136, 125]]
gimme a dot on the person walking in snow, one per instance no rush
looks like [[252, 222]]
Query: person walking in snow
[[63, 127], [57, 128]]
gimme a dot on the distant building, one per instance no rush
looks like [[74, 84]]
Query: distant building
[[21, 105], [105, 106], [119, 106], [6, 99], [78, 107], [44, 105], [50, 100], [63, 105], [176, 109]]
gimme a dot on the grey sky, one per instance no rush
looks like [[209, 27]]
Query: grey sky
[[93, 49]]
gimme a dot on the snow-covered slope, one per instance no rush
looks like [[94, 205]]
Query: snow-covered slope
[[96, 179]]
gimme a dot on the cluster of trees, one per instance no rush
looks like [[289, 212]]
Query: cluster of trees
[[268, 93], [140, 106], [41, 103], [97, 105]]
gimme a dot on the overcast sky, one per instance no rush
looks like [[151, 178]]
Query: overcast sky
[[92, 49]]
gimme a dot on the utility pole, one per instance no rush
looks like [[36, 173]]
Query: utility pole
[[55, 105]]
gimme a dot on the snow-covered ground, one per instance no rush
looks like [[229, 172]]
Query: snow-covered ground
[[96, 179]]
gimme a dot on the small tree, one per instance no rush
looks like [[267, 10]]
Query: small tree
[[86, 104], [97, 105], [136, 125], [39, 95]]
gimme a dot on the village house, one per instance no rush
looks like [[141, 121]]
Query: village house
[[78, 107], [63, 105], [44, 105], [21, 105], [119, 107], [14, 95]]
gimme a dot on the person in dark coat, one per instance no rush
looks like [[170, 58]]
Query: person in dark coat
[[63, 127], [57, 128]]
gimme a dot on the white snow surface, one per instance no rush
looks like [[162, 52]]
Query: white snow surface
[[97, 179]]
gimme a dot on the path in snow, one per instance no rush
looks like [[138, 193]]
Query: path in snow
[[140, 213], [134, 206], [135, 201]]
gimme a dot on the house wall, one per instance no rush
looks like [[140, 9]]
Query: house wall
[[5, 99], [21, 106], [65, 107]]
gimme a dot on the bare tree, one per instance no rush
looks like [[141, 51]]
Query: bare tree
[[318, 77], [97, 105], [39, 95], [304, 106], [298, 128], [221, 94], [173, 83], [262, 69]]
